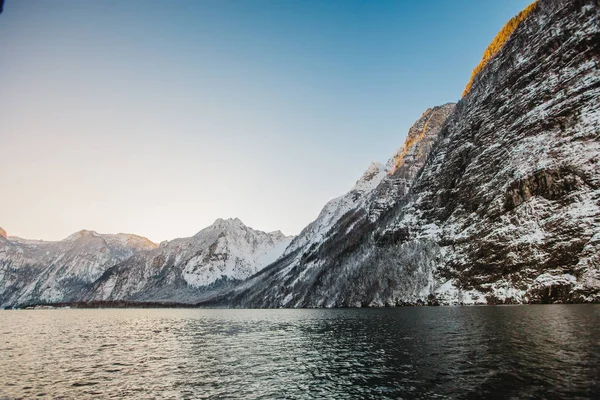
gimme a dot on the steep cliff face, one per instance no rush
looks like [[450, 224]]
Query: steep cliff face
[[506, 207], [38, 271], [513, 185], [404, 166], [183, 269]]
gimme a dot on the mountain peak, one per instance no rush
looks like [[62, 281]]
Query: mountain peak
[[278, 235], [374, 168], [131, 240], [81, 234], [3, 232], [228, 222]]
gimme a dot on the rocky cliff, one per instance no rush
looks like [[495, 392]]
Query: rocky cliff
[[340, 227], [503, 207]]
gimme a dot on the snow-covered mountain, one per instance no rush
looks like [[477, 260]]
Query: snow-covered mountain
[[41, 271], [503, 207], [181, 270], [380, 184], [377, 191], [91, 266]]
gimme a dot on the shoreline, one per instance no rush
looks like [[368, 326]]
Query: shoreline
[[173, 305]]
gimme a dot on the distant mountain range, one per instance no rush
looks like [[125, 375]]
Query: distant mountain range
[[40, 271], [92, 266], [493, 200]]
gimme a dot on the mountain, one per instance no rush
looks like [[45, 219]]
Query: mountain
[[502, 205], [341, 222], [495, 199], [90, 266], [374, 191], [39, 271], [182, 270]]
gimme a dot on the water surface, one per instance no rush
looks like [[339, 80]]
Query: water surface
[[421, 352]]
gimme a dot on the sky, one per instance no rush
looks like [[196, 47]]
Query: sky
[[156, 117]]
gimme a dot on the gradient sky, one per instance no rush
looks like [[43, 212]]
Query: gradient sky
[[157, 117]]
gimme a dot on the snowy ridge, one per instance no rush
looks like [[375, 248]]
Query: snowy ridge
[[92, 266], [41, 271], [341, 220], [317, 230], [406, 163], [380, 184], [182, 269]]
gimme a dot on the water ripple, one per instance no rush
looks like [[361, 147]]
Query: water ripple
[[412, 353]]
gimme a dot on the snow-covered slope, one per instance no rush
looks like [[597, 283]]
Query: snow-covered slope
[[40, 271], [376, 190], [505, 207], [182, 269], [317, 230]]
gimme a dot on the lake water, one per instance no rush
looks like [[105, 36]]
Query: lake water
[[421, 352]]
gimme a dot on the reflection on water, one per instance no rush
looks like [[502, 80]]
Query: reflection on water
[[453, 352]]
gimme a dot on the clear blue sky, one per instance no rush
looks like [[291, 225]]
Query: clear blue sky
[[157, 117]]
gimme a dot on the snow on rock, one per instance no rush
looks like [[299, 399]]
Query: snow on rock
[[183, 269], [40, 271], [315, 232], [375, 190], [494, 200]]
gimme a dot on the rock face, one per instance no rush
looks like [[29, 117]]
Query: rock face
[[404, 166], [502, 207], [3, 233], [378, 188], [514, 183], [38, 271], [182, 270], [317, 231]]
